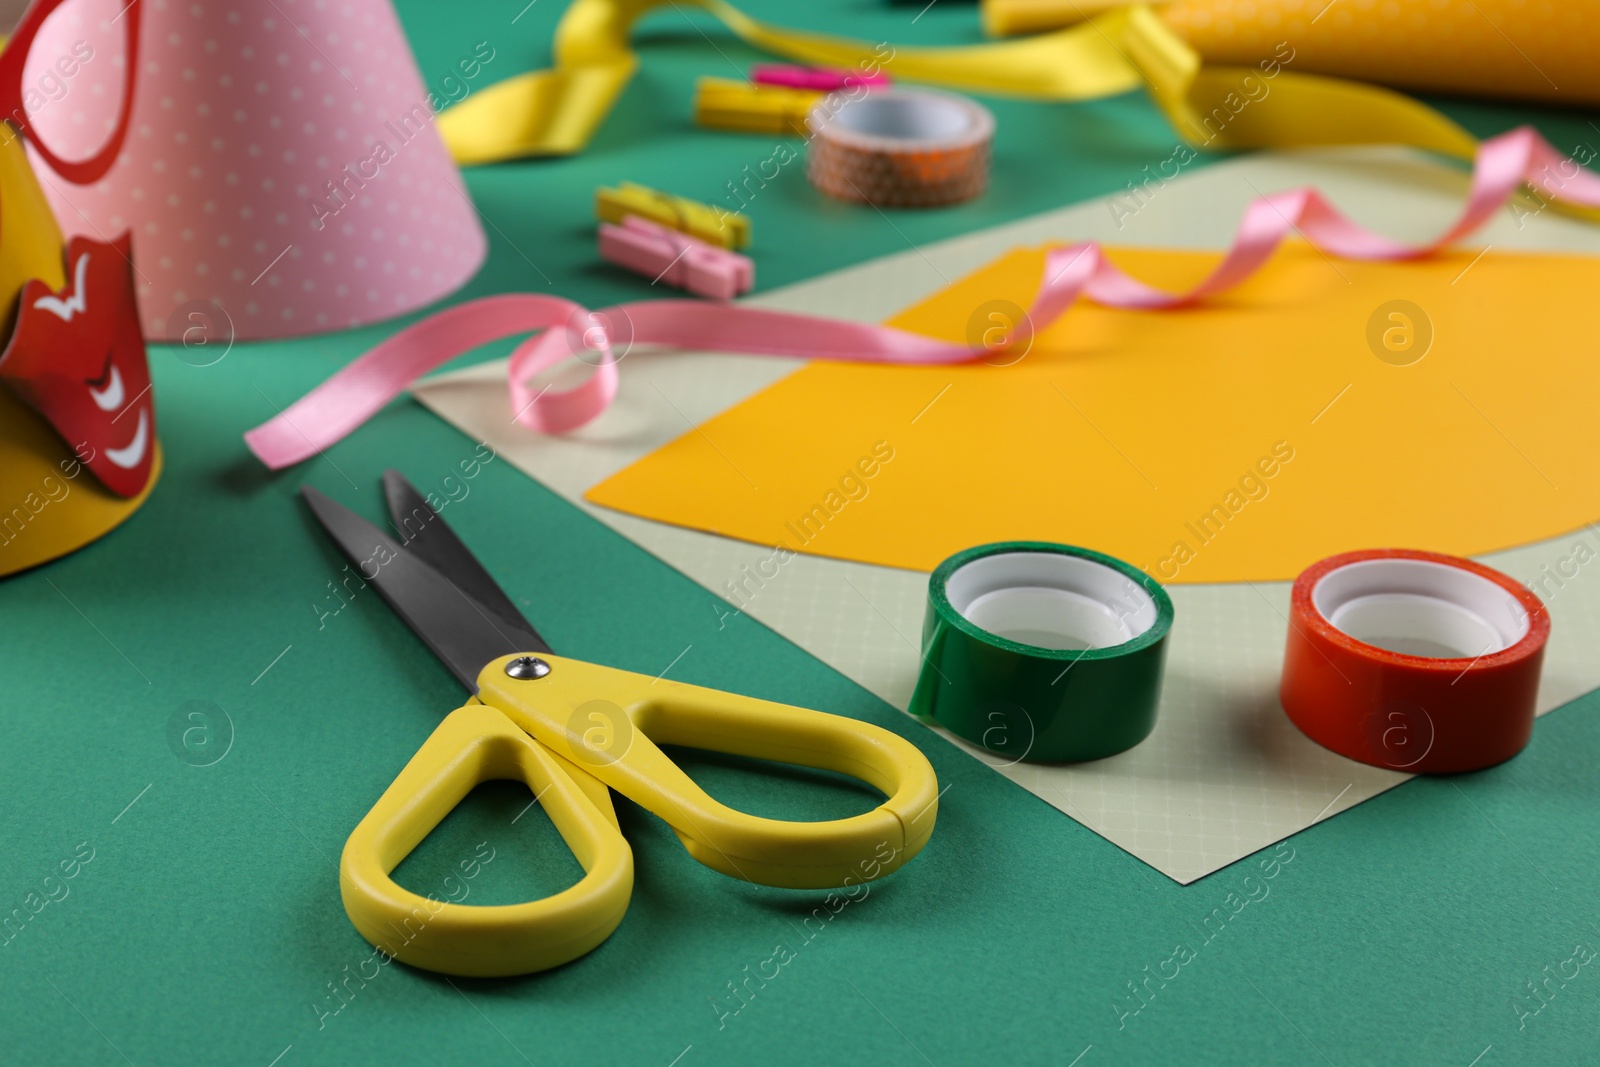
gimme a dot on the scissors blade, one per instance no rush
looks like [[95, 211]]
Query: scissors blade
[[430, 539], [461, 631]]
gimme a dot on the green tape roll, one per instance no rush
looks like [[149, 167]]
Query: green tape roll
[[1043, 652]]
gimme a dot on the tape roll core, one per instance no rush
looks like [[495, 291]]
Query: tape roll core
[[1419, 608], [1049, 601], [903, 117], [1413, 661], [1043, 652]]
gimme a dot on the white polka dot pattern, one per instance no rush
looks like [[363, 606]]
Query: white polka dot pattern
[[281, 160]]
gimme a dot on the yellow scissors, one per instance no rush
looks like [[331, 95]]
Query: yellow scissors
[[572, 731]]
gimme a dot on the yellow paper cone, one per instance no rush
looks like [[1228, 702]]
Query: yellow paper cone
[[49, 502]]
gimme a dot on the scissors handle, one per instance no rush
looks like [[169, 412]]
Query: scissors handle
[[609, 722], [476, 744]]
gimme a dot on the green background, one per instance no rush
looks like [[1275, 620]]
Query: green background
[[208, 922]]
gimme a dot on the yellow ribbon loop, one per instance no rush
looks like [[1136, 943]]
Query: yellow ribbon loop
[[555, 112]]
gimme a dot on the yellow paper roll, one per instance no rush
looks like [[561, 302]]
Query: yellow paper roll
[[1500, 49]]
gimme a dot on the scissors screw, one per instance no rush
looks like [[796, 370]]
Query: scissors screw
[[527, 668]]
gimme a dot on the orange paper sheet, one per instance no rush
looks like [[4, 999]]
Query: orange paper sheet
[[1323, 406]]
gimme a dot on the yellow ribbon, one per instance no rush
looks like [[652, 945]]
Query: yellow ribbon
[[556, 111]]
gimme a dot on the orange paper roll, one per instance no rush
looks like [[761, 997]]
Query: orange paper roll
[[1501, 49]]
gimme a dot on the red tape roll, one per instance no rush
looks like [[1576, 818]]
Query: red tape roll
[[1413, 661]]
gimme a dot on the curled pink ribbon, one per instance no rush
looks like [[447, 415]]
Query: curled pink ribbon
[[343, 402]]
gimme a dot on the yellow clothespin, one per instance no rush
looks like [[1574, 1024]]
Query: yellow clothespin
[[729, 229], [726, 104]]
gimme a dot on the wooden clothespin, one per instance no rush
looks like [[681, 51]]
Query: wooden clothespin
[[725, 104], [713, 225], [663, 254]]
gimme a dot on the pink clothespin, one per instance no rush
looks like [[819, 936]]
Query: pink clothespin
[[817, 79], [681, 261]]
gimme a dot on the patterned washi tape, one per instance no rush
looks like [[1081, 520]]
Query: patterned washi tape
[[897, 148]]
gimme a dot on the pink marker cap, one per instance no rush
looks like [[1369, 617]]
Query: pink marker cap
[[817, 79]]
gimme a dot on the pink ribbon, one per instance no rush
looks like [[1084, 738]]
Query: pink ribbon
[[356, 393]]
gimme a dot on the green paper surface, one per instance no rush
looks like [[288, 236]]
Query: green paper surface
[[207, 926]]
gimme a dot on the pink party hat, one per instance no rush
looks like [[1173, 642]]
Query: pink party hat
[[280, 163]]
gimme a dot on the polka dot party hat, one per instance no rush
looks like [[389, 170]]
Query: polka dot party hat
[[281, 172]]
